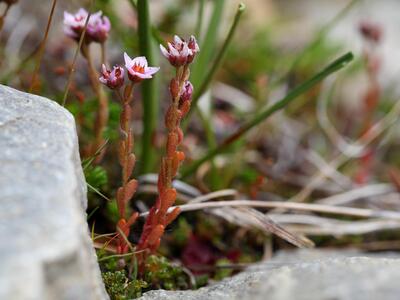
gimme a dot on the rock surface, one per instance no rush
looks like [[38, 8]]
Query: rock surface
[[45, 247], [305, 275]]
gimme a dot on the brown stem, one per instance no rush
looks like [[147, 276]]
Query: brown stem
[[159, 217], [2, 18], [102, 110], [103, 53], [42, 47], [127, 160]]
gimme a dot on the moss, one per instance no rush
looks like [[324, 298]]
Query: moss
[[161, 274], [119, 287]]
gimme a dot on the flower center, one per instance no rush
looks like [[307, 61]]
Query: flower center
[[138, 69]]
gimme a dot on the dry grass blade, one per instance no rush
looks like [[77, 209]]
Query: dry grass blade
[[388, 120], [215, 195], [314, 225], [357, 193], [271, 226], [328, 209], [251, 218]]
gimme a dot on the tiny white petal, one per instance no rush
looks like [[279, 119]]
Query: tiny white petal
[[172, 50], [164, 51], [152, 70], [177, 39], [128, 61]]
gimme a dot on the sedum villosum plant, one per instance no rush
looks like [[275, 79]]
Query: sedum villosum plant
[[180, 54], [138, 70], [95, 28]]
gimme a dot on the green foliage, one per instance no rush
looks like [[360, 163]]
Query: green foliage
[[149, 87], [161, 274], [209, 43], [96, 177], [112, 211], [182, 232], [119, 287], [222, 273]]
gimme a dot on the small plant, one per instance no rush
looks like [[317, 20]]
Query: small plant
[[138, 70], [180, 54]]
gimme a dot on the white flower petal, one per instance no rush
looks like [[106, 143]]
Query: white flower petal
[[128, 61], [151, 70], [177, 39], [164, 51]]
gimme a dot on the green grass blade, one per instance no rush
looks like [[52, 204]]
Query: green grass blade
[[220, 56], [149, 87], [199, 23], [268, 111], [208, 44]]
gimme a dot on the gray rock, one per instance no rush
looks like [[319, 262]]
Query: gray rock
[[45, 247], [305, 275]]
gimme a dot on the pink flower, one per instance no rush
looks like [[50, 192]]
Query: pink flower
[[193, 47], [113, 79], [180, 52], [138, 68], [97, 29], [74, 24]]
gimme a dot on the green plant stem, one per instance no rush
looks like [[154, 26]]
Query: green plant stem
[[220, 56], [149, 88], [204, 57], [211, 140], [200, 18], [268, 111]]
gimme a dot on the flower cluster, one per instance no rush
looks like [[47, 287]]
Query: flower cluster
[[180, 52], [137, 69], [97, 29], [114, 78]]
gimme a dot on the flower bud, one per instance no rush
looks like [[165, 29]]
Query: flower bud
[[180, 52], [113, 79], [186, 92]]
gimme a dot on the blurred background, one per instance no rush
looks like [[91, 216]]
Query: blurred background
[[336, 145]]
